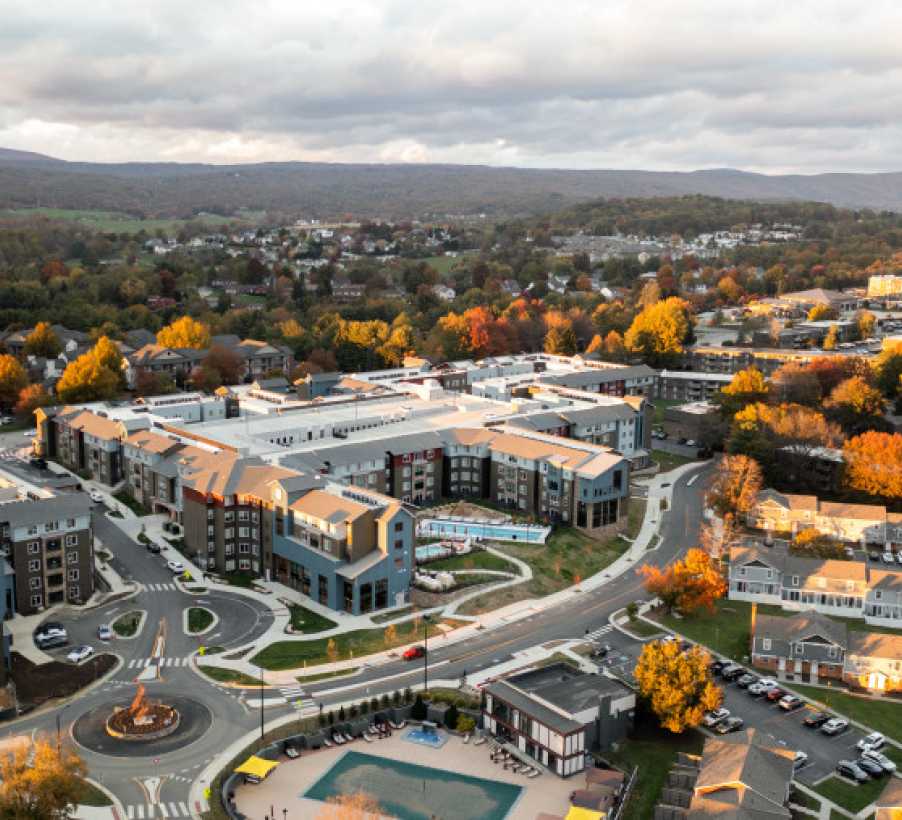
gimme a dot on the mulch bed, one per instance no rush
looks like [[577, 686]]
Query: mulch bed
[[36, 684]]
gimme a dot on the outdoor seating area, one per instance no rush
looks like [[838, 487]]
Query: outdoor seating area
[[510, 761], [379, 729]]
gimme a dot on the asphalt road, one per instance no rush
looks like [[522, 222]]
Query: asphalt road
[[132, 779]]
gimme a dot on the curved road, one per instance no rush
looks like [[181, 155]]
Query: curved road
[[165, 779]]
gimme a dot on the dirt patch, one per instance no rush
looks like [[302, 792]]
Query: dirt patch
[[37, 684], [464, 509]]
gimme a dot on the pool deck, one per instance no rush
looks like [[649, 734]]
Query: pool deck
[[284, 786]]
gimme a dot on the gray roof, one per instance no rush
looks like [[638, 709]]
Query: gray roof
[[801, 627], [26, 513], [597, 375], [599, 412]]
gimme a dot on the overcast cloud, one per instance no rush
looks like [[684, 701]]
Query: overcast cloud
[[656, 84]]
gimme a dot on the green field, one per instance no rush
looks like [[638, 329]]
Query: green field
[[668, 461], [474, 560], [115, 222], [442, 264], [849, 796], [307, 621]]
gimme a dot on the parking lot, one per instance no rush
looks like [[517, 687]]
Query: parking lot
[[786, 729]]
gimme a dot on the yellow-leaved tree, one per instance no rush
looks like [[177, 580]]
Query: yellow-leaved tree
[[677, 685], [86, 379], [185, 332], [13, 380], [42, 341], [37, 783], [659, 332]]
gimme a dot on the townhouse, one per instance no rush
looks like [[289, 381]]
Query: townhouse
[[709, 359], [557, 714], [850, 589], [810, 646], [176, 363], [49, 545], [861, 524]]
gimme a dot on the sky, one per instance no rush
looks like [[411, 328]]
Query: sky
[[774, 87]]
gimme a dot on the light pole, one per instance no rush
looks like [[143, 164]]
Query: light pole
[[260, 673], [59, 740], [425, 653]]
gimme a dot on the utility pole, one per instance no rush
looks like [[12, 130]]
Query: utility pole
[[260, 673], [425, 653]]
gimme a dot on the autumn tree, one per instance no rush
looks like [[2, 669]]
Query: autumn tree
[[831, 340], [855, 404], [148, 383], [735, 485], [185, 332], [351, 806], [746, 386], [686, 585], [390, 636], [822, 312], [596, 346], [223, 366], [13, 379], [865, 322], [36, 783], [42, 341], [560, 340], [873, 464], [677, 685], [888, 370], [85, 379], [30, 399], [659, 332], [108, 354], [795, 383], [812, 543]]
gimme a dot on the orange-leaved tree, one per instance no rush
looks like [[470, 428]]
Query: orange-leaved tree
[[686, 585], [677, 685], [36, 782], [874, 464], [735, 486]]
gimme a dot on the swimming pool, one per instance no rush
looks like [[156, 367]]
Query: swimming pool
[[433, 739], [429, 551], [411, 792], [461, 528]]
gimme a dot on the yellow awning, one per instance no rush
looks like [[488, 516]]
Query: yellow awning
[[256, 766], [577, 813]]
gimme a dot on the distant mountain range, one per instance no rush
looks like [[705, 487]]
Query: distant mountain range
[[315, 189]]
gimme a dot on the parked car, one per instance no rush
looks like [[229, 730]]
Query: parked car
[[850, 769], [874, 556], [38, 462], [104, 633], [775, 694], [30, 433], [762, 687], [691, 443], [746, 680], [715, 667], [871, 742], [175, 566], [6, 419], [816, 719], [50, 634], [871, 767], [413, 653], [899, 557], [878, 757], [888, 558], [834, 726], [79, 654], [96, 496], [790, 702], [799, 760], [731, 671], [711, 719], [601, 651], [153, 547], [849, 553], [731, 724]]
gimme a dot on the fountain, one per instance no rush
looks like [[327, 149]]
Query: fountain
[[142, 720]]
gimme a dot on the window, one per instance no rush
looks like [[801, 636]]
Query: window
[[50, 526], [34, 583], [243, 549], [73, 574], [765, 644], [831, 651], [70, 523], [243, 515], [74, 591], [229, 516], [399, 544], [37, 600], [244, 563], [34, 566], [243, 532], [742, 570], [381, 593], [399, 526], [229, 532], [71, 540], [800, 650], [795, 580], [34, 547]]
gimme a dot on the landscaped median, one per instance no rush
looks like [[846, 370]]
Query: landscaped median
[[347, 645], [230, 676], [199, 620], [129, 624]]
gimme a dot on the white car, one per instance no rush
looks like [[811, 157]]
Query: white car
[[104, 632], [30, 433], [711, 719], [799, 760], [96, 496], [834, 726], [175, 566], [762, 687], [880, 759], [871, 743], [79, 654], [889, 558]]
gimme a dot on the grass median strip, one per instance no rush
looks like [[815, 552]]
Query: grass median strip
[[849, 796], [125, 626], [199, 619], [340, 673], [307, 621], [222, 675], [360, 642]]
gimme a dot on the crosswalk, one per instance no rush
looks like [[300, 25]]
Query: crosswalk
[[594, 636], [146, 811], [296, 697], [158, 588], [141, 663], [10, 455]]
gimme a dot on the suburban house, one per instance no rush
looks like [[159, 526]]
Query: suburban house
[[810, 646], [556, 714], [849, 589], [49, 544], [853, 523]]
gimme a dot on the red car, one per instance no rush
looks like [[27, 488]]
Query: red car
[[775, 694], [413, 653]]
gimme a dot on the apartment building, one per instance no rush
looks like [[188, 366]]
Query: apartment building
[[707, 359], [862, 524], [611, 380], [49, 544], [810, 646], [467, 463], [690, 386], [557, 714], [849, 589], [881, 286]]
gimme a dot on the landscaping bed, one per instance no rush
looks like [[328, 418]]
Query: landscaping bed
[[341, 673], [478, 559], [199, 619], [566, 558], [39, 683], [307, 621], [360, 642], [126, 626], [223, 675], [90, 795], [135, 506]]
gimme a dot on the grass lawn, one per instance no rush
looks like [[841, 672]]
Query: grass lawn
[[307, 621], [849, 796], [668, 461], [239, 579], [635, 517], [442, 264], [126, 625], [199, 618], [882, 715], [223, 675], [654, 751], [342, 673], [360, 642], [641, 628], [476, 578], [17, 425], [565, 559], [660, 405], [114, 221], [804, 800], [136, 507], [393, 615], [90, 795], [474, 560]]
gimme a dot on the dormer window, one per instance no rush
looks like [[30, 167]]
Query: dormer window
[[795, 580]]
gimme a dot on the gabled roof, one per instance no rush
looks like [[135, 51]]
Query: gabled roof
[[875, 645], [96, 426], [803, 626], [328, 506], [152, 442]]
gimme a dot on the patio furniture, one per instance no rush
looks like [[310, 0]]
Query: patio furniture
[[466, 739], [367, 738], [398, 726], [326, 743], [534, 773], [292, 752], [480, 740]]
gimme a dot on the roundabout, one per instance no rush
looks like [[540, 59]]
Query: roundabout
[[138, 727]]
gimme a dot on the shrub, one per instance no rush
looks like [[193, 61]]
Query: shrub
[[322, 720], [465, 724], [419, 711], [341, 714], [408, 695], [384, 702], [632, 610], [353, 711], [451, 716], [331, 717], [396, 698], [364, 707]]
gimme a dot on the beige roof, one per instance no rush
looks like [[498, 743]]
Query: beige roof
[[832, 568], [585, 460], [875, 645], [152, 442], [801, 626], [327, 506], [96, 426], [858, 512], [224, 473], [469, 436]]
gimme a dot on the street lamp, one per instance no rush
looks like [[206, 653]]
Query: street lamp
[[426, 653], [260, 673]]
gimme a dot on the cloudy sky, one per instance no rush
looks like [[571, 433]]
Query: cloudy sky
[[656, 84]]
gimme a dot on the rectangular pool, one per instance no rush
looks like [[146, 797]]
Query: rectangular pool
[[411, 792], [461, 529]]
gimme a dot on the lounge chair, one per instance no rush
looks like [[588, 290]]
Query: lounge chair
[[326, 743], [399, 726], [367, 738], [347, 738], [534, 773], [292, 752], [527, 770], [337, 738], [466, 738], [480, 740]]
